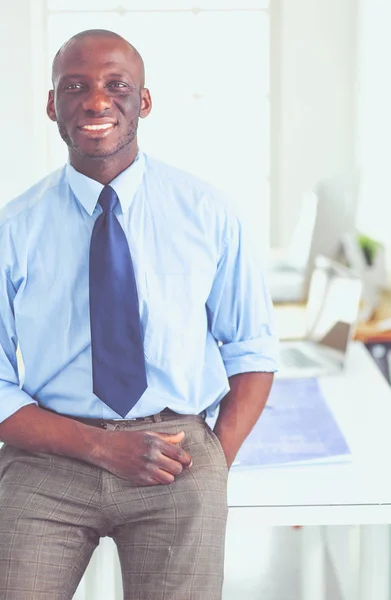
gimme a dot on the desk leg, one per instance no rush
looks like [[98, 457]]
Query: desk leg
[[374, 562], [342, 545], [313, 581]]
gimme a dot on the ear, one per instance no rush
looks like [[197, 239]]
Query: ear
[[146, 103], [50, 106]]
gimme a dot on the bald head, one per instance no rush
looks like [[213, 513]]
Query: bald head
[[97, 99], [89, 38]]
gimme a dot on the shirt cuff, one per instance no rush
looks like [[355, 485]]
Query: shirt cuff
[[256, 355], [12, 399]]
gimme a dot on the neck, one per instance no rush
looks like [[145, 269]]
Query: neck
[[105, 169]]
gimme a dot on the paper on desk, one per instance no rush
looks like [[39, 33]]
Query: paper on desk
[[297, 428]]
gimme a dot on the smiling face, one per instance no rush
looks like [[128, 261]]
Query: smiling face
[[97, 100]]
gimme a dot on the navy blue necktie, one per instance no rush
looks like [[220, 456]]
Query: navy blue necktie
[[118, 365]]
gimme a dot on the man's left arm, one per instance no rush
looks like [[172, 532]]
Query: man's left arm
[[241, 318], [240, 409]]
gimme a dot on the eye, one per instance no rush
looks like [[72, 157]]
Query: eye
[[73, 86], [119, 85]]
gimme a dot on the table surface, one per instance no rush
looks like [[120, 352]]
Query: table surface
[[290, 321], [355, 492]]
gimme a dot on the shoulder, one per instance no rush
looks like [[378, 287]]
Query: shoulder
[[24, 204], [196, 194]]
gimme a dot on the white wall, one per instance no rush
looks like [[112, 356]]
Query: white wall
[[374, 117], [312, 97], [21, 150], [17, 128], [199, 95], [313, 100]]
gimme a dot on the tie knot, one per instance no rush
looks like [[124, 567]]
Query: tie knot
[[108, 199]]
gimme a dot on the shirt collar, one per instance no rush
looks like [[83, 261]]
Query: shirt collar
[[87, 190]]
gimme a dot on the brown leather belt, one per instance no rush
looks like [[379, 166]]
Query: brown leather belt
[[102, 423]]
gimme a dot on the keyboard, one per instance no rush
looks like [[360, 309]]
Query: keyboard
[[293, 357]]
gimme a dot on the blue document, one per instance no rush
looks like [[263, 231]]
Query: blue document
[[295, 428]]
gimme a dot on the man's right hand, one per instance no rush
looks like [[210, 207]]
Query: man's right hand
[[141, 457], [144, 458]]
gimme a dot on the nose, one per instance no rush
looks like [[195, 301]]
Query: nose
[[97, 101]]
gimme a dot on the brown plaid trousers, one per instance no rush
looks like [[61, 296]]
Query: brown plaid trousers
[[170, 538]]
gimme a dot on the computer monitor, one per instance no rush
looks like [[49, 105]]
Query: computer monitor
[[327, 214], [335, 216], [333, 305], [287, 266]]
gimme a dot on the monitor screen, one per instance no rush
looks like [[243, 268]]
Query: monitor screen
[[333, 304], [335, 216]]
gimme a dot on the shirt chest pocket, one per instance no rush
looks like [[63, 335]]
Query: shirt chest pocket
[[176, 314]]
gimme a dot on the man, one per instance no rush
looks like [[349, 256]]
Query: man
[[138, 309]]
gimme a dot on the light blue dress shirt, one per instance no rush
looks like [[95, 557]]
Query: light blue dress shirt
[[204, 306]]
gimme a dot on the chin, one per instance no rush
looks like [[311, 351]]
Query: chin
[[102, 152], [99, 154], [100, 149]]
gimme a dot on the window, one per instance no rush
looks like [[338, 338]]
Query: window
[[207, 67]]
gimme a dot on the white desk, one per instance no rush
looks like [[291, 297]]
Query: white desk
[[358, 493]]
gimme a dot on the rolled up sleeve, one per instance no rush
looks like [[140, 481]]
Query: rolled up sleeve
[[240, 310], [12, 397]]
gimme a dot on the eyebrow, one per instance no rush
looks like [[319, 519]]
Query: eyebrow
[[72, 76], [118, 75]]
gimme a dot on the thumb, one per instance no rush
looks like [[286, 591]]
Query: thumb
[[171, 438]]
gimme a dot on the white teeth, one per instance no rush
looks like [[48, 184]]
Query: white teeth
[[97, 127]]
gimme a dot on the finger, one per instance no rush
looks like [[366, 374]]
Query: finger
[[160, 476], [174, 467], [175, 452], [170, 449], [149, 482]]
